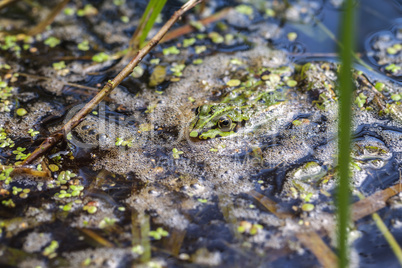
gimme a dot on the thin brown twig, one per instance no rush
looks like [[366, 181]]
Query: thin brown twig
[[27, 171], [59, 81], [5, 3], [315, 244], [373, 203], [188, 28], [49, 19], [110, 85]]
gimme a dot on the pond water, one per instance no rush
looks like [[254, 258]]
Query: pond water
[[218, 152]]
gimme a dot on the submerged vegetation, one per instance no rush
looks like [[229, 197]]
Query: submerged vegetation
[[215, 146]]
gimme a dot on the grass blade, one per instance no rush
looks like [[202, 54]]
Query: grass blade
[[148, 19], [344, 125]]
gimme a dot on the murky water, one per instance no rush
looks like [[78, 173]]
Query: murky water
[[130, 187]]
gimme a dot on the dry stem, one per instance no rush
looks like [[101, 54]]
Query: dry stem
[[110, 85], [49, 19]]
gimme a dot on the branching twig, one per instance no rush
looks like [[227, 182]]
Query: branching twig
[[110, 85], [49, 19]]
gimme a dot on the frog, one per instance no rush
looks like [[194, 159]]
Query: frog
[[237, 111]]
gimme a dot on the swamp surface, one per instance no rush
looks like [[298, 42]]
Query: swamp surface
[[136, 184]]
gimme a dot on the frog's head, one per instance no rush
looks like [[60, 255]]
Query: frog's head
[[214, 120]]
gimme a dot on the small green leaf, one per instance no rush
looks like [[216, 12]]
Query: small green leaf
[[52, 41]]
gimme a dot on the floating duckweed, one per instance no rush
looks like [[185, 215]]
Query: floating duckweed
[[69, 11], [4, 140], [121, 142], [155, 61], [396, 97], [125, 19], [177, 69], [248, 227], [119, 2], [201, 200], [236, 61], [76, 190], [391, 50], [297, 122], [198, 25], [32, 132], [88, 10], [87, 262], [106, 222], [19, 154], [212, 149], [361, 100], [244, 9], [145, 127], [216, 37], [307, 197], [198, 61], [379, 86], [67, 207], [291, 83], [157, 76], [200, 49], [189, 42], [121, 208], [53, 167], [158, 234], [274, 78], [176, 153], [16, 190], [94, 112], [138, 249], [393, 68], [137, 72], [254, 229], [292, 36], [59, 65], [5, 175], [191, 99], [8, 203], [229, 38], [23, 195], [65, 176], [233, 83], [21, 112], [171, 51], [307, 207], [270, 12], [90, 209], [201, 36], [52, 41], [50, 250], [394, 49], [5, 66], [83, 46], [100, 57]]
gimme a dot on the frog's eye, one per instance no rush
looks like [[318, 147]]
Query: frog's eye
[[225, 123]]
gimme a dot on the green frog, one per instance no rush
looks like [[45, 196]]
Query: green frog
[[239, 108]]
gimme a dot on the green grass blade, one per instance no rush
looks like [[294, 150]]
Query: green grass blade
[[148, 19], [386, 233], [344, 126]]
